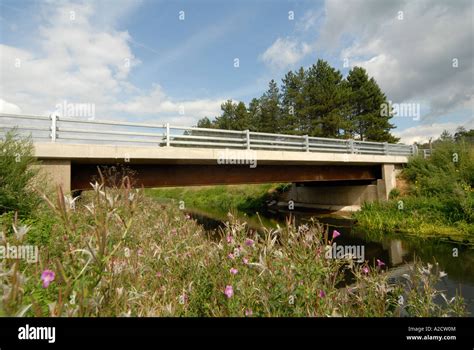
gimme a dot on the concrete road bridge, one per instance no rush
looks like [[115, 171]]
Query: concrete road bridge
[[329, 173]]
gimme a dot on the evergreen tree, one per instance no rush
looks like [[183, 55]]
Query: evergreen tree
[[227, 119], [204, 123], [270, 109], [242, 118], [255, 114], [293, 120], [326, 101], [368, 122]]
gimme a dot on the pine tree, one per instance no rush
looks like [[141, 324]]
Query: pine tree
[[293, 120], [255, 114], [366, 103], [326, 101], [204, 123], [270, 109], [227, 119]]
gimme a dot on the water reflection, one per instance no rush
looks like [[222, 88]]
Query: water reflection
[[394, 250]]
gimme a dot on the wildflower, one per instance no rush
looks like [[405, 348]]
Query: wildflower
[[20, 231], [245, 261], [127, 252], [229, 239], [249, 242], [365, 270], [322, 294], [248, 312], [231, 256], [234, 271], [380, 263], [229, 291], [47, 277], [335, 234], [183, 298], [442, 274], [188, 216], [158, 274]]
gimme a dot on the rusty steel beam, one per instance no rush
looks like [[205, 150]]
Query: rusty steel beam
[[167, 175]]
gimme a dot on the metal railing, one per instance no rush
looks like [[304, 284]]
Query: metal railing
[[77, 130]]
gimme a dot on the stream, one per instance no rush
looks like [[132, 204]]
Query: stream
[[395, 250]]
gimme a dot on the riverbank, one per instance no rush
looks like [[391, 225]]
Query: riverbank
[[248, 199], [117, 252]]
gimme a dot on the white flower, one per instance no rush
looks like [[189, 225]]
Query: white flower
[[127, 252], [20, 231], [442, 274]]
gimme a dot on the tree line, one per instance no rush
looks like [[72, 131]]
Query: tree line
[[317, 101]]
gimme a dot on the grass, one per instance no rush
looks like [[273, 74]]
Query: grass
[[438, 202], [118, 253], [244, 198]]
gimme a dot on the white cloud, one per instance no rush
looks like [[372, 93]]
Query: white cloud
[[157, 102], [412, 58], [83, 59], [284, 52], [7, 107], [423, 133]]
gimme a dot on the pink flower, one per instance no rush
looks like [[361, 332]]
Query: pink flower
[[231, 256], [234, 271], [322, 294], [229, 239], [158, 274], [229, 291], [380, 263], [249, 242], [47, 277], [365, 270], [245, 261], [174, 232], [188, 216], [248, 312], [335, 234]]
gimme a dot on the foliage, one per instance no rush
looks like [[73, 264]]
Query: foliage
[[440, 200], [317, 101], [16, 174], [117, 253]]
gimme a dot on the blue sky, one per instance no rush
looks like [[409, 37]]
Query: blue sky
[[137, 60]]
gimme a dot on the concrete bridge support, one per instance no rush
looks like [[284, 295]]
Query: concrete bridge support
[[343, 195], [57, 173]]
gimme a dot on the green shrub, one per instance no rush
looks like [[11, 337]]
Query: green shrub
[[16, 174]]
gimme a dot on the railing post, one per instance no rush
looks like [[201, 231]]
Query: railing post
[[247, 135], [414, 150], [385, 148], [54, 127], [167, 134], [351, 145], [306, 142]]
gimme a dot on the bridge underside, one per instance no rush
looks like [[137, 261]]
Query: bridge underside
[[167, 175]]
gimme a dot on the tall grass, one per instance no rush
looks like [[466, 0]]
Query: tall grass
[[115, 252], [16, 174], [248, 199], [440, 198]]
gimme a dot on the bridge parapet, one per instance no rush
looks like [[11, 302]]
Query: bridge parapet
[[60, 129]]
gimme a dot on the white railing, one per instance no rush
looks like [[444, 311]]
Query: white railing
[[77, 130]]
